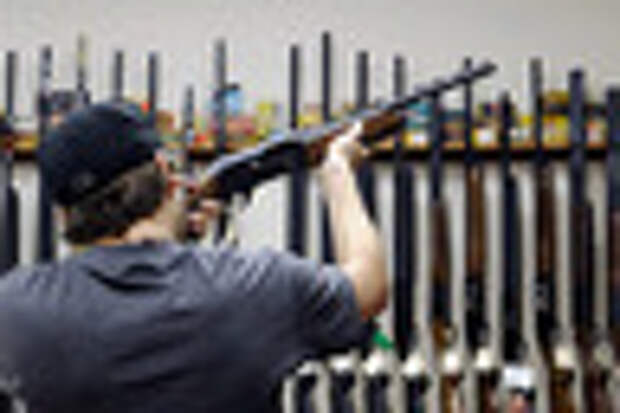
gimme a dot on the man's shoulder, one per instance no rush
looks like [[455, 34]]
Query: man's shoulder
[[26, 278]]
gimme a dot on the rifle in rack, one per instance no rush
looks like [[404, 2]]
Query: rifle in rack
[[613, 197], [518, 378], [47, 238], [548, 334], [477, 325], [9, 200], [414, 369], [327, 249], [242, 171], [443, 329], [582, 256]]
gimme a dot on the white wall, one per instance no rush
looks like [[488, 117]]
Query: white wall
[[433, 34]]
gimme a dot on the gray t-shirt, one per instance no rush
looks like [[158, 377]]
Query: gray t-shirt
[[160, 327]]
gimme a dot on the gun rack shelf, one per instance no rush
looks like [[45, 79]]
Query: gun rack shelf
[[454, 150]]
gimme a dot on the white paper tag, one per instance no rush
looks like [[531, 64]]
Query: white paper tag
[[518, 377], [485, 136]]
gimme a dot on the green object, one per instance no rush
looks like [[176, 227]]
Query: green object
[[382, 341]]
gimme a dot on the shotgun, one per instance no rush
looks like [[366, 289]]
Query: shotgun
[[444, 332], [414, 369], [327, 251], [582, 256], [241, 171], [47, 237], [477, 326], [518, 378], [548, 331]]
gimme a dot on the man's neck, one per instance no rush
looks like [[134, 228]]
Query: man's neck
[[139, 233]]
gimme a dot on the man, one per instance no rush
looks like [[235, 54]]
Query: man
[[137, 322]]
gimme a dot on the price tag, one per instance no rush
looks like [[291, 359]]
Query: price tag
[[518, 377], [485, 137]]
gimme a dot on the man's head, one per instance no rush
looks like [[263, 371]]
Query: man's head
[[100, 165]]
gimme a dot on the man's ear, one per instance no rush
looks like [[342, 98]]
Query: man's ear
[[172, 181]]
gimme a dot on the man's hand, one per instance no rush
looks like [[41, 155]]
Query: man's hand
[[347, 146], [197, 220]]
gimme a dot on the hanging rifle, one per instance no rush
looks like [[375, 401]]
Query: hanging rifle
[[518, 378], [82, 93], [582, 254], [9, 199], [613, 176], [548, 335], [47, 239], [477, 325], [444, 331], [414, 369], [326, 88], [118, 78]]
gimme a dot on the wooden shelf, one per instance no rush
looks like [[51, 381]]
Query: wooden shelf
[[453, 150]]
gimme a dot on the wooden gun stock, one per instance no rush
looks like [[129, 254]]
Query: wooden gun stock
[[451, 394], [486, 383], [443, 334], [560, 389], [545, 262], [475, 319]]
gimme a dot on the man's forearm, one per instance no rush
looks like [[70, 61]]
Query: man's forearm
[[359, 250]]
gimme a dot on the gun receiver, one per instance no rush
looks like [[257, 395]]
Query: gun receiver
[[240, 172]]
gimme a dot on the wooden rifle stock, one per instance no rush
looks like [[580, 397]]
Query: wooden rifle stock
[[443, 334], [476, 323], [486, 383]]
